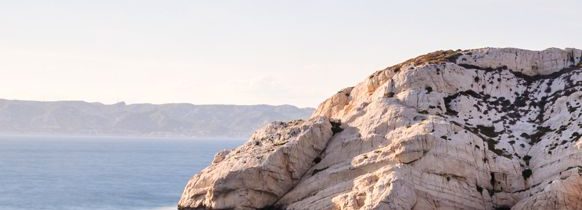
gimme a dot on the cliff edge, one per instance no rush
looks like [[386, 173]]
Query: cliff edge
[[490, 128]]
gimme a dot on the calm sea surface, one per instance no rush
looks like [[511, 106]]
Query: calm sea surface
[[69, 173]]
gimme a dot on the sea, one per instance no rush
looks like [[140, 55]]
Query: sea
[[100, 173]]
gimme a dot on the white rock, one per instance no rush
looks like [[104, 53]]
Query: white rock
[[259, 172], [475, 129]]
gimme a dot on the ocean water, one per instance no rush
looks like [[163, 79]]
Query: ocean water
[[100, 173]]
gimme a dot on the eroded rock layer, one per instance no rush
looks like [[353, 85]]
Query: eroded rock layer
[[262, 170], [475, 129]]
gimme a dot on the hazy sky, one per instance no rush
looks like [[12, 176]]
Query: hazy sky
[[247, 52]]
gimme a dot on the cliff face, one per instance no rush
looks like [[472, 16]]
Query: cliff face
[[474, 129]]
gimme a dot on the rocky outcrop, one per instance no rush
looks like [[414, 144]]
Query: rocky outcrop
[[468, 129], [258, 173]]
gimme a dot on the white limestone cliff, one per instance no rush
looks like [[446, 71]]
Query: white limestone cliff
[[474, 129]]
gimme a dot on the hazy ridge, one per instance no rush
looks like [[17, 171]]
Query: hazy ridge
[[180, 120]]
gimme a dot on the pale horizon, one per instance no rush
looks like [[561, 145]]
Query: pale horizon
[[297, 52]]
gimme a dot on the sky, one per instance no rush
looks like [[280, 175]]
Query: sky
[[247, 52]]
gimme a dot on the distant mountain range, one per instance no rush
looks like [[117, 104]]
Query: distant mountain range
[[175, 120]]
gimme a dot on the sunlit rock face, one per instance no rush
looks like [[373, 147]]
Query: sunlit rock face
[[262, 170], [473, 129]]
